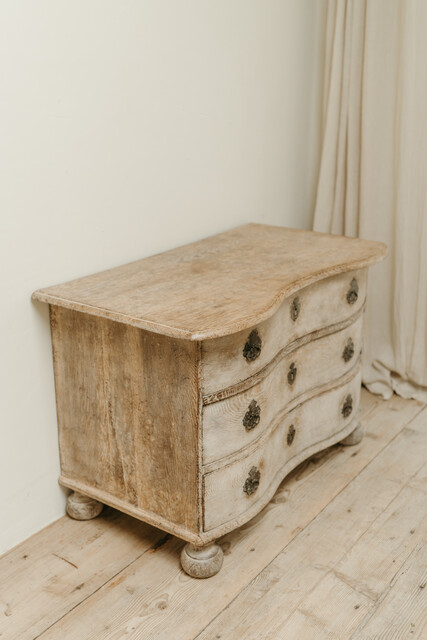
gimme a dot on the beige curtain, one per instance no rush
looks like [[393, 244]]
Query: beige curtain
[[373, 176]]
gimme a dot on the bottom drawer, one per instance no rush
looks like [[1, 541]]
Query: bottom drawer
[[247, 483]]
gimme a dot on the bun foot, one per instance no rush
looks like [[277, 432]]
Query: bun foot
[[355, 436], [80, 507], [202, 562]]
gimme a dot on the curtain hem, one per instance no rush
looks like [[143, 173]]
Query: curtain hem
[[387, 382]]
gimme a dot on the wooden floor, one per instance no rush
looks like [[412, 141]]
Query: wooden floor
[[339, 553]]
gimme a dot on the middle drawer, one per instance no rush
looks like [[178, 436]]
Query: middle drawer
[[230, 425]]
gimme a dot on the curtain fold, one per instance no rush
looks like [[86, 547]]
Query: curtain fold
[[373, 174]]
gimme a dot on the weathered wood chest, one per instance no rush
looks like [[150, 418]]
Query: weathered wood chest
[[188, 384]]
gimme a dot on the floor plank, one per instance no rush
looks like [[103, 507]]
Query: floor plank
[[52, 572], [402, 613]]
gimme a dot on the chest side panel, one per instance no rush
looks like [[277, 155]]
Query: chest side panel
[[128, 413]]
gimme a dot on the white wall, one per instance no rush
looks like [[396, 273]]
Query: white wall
[[127, 128]]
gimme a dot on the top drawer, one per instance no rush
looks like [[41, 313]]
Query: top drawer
[[229, 360]]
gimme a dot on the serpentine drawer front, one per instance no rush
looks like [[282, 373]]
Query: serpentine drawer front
[[294, 437], [232, 423], [318, 308], [188, 384]]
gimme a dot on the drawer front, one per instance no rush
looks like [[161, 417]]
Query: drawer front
[[229, 360], [249, 482], [232, 424]]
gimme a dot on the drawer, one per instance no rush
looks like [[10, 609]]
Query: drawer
[[248, 483], [229, 360], [232, 424]]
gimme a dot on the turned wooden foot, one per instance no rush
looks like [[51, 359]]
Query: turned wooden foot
[[81, 507], [202, 562], [355, 436]]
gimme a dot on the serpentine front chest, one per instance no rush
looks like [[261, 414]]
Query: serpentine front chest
[[188, 384]]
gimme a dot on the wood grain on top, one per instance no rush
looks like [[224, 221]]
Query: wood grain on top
[[217, 286]]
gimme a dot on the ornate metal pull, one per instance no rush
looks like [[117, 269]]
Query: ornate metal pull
[[292, 373], [252, 348], [353, 292], [252, 481], [291, 435], [348, 352], [347, 407], [252, 416], [295, 308]]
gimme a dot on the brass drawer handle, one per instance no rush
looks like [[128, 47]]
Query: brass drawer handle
[[348, 352], [252, 481], [347, 407], [291, 435], [252, 348], [295, 308], [353, 292], [252, 416], [292, 373]]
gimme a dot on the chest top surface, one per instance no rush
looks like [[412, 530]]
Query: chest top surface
[[216, 286]]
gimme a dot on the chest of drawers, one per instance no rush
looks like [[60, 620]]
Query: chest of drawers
[[188, 384]]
